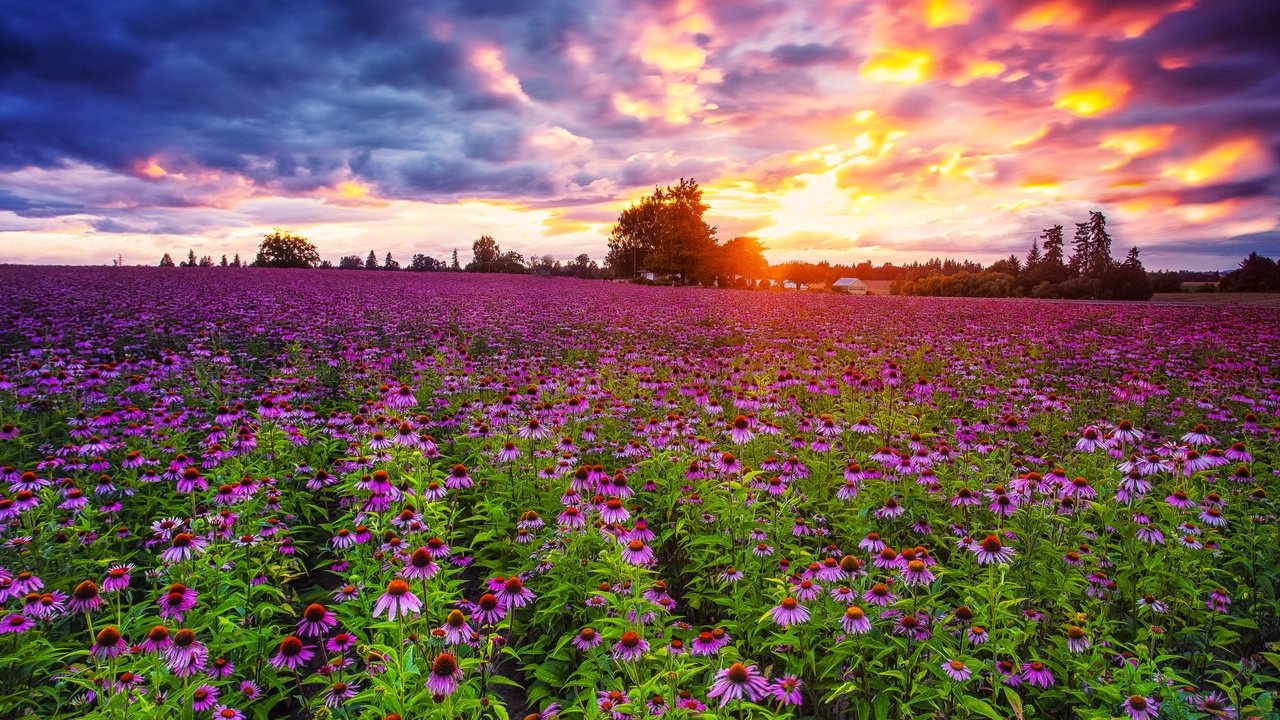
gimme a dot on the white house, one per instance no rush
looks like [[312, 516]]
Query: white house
[[646, 275], [852, 286]]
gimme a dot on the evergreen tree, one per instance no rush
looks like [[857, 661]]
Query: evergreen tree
[[390, 263], [371, 262], [236, 261], [1081, 252], [166, 261], [455, 266], [1053, 239], [1033, 256], [191, 259], [1100, 260], [223, 263]]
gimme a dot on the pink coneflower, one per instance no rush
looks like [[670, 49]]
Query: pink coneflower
[[397, 601], [879, 594], [204, 697], [1090, 440], [341, 642], [1077, 639], [571, 519], [630, 647], [704, 645], [1138, 707], [614, 512], [316, 621], [977, 635], [916, 573], [226, 712], [340, 692], [220, 669], [786, 690], [346, 593], [871, 543], [740, 430], [637, 553], [488, 610], [1036, 673], [509, 453], [586, 639], [445, 675], [117, 578], [914, 626], [1199, 435], [420, 566], [738, 682], [178, 599], [292, 653], [956, 670], [728, 464], [1001, 502], [514, 594], [789, 612], [1212, 516], [731, 575], [890, 509], [855, 621], [182, 547], [459, 478], [16, 623], [1214, 704], [108, 644], [992, 551], [1179, 500], [85, 598], [1218, 600]]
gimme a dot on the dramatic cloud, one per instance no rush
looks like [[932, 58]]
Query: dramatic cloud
[[871, 129]]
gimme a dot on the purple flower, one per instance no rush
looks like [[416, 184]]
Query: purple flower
[[1036, 673], [789, 612], [630, 647], [445, 675], [397, 601], [787, 690], [956, 670], [1138, 707], [292, 654], [738, 682]]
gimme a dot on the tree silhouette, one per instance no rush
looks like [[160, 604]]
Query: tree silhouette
[[665, 234], [284, 249], [166, 261]]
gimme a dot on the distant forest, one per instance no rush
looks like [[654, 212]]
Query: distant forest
[[664, 239]]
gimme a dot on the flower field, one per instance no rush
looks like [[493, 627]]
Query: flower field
[[237, 494]]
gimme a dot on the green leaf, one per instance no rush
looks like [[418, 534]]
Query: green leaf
[[979, 706]]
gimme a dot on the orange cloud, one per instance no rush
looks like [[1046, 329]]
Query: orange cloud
[[898, 65], [1094, 99], [1237, 158], [1139, 141]]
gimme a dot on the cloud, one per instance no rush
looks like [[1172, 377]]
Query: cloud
[[931, 124]]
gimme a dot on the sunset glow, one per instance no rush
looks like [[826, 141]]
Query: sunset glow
[[845, 131]]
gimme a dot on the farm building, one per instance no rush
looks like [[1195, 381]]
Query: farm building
[[853, 286]]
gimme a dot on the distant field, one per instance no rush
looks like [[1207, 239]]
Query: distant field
[[1251, 299]]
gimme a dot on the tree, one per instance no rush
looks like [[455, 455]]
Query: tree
[[485, 253], [350, 262], [1255, 274], [284, 249], [206, 261], [235, 262], [1034, 257], [191, 259], [390, 263], [455, 266], [664, 234], [424, 263], [1128, 280], [223, 263], [743, 256], [371, 262], [166, 261], [1081, 252], [1009, 266]]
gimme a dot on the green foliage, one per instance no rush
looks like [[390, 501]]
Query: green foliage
[[284, 249]]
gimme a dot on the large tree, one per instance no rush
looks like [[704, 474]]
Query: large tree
[[665, 234], [485, 254], [742, 256], [284, 249]]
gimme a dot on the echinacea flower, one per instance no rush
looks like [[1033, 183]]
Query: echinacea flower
[[340, 692], [587, 638], [204, 697], [445, 675], [956, 670], [292, 654], [316, 621], [1036, 673], [108, 644], [397, 601], [855, 621], [786, 690], [85, 598], [1138, 707], [789, 612], [738, 682], [630, 647], [992, 551]]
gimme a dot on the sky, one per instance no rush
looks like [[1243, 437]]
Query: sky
[[881, 130]]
